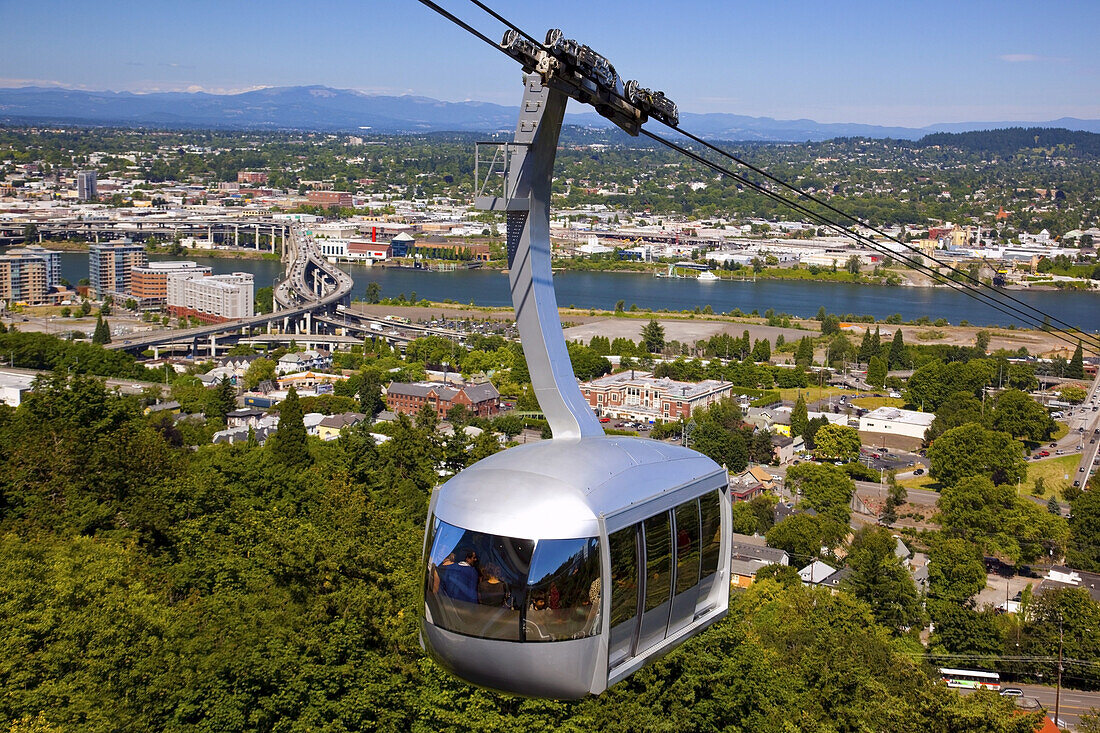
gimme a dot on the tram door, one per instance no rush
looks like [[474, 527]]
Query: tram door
[[657, 594], [686, 594], [625, 559]]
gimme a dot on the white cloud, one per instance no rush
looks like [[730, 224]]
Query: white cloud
[[1026, 58]]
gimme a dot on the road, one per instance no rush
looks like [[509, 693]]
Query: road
[[1072, 705]]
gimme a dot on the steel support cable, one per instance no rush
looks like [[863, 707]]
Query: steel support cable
[[507, 22], [978, 295], [1075, 335]]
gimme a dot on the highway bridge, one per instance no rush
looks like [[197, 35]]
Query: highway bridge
[[312, 286], [225, 232]]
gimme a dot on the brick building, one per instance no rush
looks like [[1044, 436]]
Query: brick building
[[252, 177], [639, 396], [149, 283], [482, 398], [329, 198]]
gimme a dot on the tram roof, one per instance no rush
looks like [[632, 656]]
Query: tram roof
[[558, 488]]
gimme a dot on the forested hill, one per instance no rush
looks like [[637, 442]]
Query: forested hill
[[1012, 139]]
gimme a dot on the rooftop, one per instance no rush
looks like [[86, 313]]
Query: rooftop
[[893, 414]]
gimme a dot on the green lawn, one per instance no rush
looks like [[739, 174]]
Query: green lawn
[[812, 394], [920, 482], [873, 403], [1053, 472], [1060, 431]]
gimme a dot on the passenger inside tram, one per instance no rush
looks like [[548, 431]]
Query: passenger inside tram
[[512, 589]]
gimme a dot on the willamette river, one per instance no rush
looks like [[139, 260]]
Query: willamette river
[[604, 289]]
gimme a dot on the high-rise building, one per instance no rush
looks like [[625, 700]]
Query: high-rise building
[[110, 267], [86, 185], [50, 257], [149, 283], [23, 279], [211, 299]]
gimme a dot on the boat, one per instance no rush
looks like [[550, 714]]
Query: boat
[[708, 277]]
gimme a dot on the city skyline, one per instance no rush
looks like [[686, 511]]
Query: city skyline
[[862, 63]]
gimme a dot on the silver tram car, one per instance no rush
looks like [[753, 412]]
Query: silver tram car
[[556, 569]]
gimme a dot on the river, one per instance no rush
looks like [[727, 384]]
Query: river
[[602, 290]]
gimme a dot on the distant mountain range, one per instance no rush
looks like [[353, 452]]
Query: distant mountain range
[[325, 109]]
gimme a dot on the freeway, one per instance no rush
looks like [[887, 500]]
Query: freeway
[[294, 293], [1085, 425]]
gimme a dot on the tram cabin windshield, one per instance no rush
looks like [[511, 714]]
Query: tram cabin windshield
[[511, 589]]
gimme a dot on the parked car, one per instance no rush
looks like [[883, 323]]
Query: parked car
[[918, 472], [1011, 692], [1044, 453]]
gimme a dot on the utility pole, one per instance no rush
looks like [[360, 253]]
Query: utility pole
[[1058, 690]]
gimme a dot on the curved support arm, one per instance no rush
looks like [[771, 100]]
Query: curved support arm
[[527, 200]]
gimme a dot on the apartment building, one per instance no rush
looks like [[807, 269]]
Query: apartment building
[[635, 395], [110, 267], [149, 283], [23, 279], [211, 299], [50, 257]]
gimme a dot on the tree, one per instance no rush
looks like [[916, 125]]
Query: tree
[[800, 535], [998, 521], [879, 578], [830, 325], [1072, 393], [223, 399], [620, 306], [374, 292], [799, 416], [828, 491], [1076, 368], [85, 307], [720, 444], [811, 431], [899, 357], [971, 450], [958, 409], [785, 575], [981, 341], [876, 372], [653, 337], [852, 264], [804, 356], [370, 393], [1021, 417], [956, 571], [1084, 525], [260, 370], [290, 443], [837, 442], [102, 333]]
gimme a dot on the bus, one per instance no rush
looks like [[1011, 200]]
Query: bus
[[971, 679]]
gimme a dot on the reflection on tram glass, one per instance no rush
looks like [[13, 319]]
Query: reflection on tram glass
[[495, 587]]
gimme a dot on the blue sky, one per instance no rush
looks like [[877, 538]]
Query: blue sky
[[875, 62]]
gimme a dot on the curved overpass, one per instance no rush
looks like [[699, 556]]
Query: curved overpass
[[312, 285]]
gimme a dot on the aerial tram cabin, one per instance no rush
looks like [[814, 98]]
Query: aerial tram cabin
[[558, 568]]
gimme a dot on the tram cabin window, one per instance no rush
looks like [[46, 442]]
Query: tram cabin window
[[512, 589]]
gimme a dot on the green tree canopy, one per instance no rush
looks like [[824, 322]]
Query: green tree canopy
[[971, 450], [880, 579]]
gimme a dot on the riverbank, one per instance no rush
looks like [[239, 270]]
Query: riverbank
[[582, 324]]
